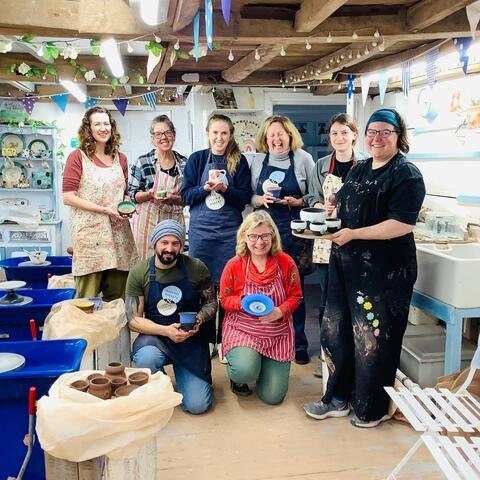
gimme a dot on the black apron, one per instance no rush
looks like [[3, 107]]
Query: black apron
[[192, 354], [369, 291]]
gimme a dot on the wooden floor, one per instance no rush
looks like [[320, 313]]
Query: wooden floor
[[242, 438]]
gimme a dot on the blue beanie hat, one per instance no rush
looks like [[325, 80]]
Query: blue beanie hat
[[168, 227], [384, 115]]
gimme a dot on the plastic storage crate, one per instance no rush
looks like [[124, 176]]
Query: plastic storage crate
[[45, 362], [14, 319], [36, 276]]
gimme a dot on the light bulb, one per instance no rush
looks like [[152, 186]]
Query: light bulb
[[283, 85], [257, 55], [213, 90], [308, 46], [230, 56], [177, 45], [282, 52], [381, 47], [40, 50], [354, 35], [350, 55], [339, 86], [129, 48], [342, 56], [294, 88], [308, 86], [376, 34], [367, 51], [359, 54], [329, 38], [374, 44], [157, 38], [338, 60]]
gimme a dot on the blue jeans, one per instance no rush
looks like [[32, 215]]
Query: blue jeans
[[197, 393]]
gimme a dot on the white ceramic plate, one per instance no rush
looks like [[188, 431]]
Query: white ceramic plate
[[10, 362]]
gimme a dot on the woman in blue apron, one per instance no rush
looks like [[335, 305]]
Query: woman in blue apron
[[280, 182], [372, 270], [216, 187]]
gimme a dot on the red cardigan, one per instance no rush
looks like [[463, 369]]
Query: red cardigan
[[233, 280]]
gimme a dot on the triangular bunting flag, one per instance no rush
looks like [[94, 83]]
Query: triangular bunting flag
[[91, 102], [350, 86], [151, 99], [382, 84], [209, 23], [61, 100], [28, 104], [406, 67], [226, 10], [473, 15], [463, 44], [196, 34], [365, 86], [431, 66], [121, 104]]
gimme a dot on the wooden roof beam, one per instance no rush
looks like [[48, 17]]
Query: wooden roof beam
[[184, 13], [425, 13], [248, 64], [313, 12]]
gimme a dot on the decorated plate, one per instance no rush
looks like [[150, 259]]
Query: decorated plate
[[38, 147], [12, 144], [12, 172], [257, 304]]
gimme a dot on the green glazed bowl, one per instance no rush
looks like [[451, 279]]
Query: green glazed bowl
[[126, 208]]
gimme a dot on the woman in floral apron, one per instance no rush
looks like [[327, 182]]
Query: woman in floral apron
[[259, 349], [94, 182], [327, 179], [155, 183]]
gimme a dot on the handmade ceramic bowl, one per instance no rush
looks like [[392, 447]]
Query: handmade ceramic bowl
[[187, 320], [318, 228], [313, 214], [126, 208], [84, 305], [333, 224], [257, 304], [125, 390], [38, 257], [138, 378], [298, 226]]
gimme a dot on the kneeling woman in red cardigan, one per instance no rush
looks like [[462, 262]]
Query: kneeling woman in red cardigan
[[259, 349]]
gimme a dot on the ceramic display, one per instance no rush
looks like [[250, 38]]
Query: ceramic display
[[12, 144], [257, 304], [12, 173], [37, 147]]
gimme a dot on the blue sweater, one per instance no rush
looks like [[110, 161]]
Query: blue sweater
[[237, 194]]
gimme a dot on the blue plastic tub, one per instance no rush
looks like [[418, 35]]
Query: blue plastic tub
[[45, 362], [36, 276], [15, 319]]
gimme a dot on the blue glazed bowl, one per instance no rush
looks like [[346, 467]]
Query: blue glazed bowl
[[257, 304]]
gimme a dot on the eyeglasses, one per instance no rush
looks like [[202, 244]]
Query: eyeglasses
[[166, 134], [381, 133], [253, 237]]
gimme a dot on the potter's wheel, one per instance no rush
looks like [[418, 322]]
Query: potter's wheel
[[29, 263], [11, 361], [12, 298]]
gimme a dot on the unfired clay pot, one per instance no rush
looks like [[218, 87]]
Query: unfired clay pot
[[101, 387], [93, 375], [138, 378], [115, 370], [125, 390], [80, 385], [117, 382]]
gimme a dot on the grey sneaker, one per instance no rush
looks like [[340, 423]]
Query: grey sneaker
[[320, 410]]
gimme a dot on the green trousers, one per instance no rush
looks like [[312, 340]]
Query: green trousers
[[111, 283], [245, 365]]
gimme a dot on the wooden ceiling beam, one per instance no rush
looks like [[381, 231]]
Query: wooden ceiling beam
[[256, 79], [324, 90], [184, 13], [425, 13], [248, 64], [313, 12]]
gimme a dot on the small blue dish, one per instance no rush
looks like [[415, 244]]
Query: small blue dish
[[257, 304]]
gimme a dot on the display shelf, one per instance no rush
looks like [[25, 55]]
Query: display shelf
[[26, 189], [26, 159]]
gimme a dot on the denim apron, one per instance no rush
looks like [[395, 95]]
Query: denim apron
[[192, 354]]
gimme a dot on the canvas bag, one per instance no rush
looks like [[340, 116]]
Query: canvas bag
[[61, 281], [100, 327], [77, 426]]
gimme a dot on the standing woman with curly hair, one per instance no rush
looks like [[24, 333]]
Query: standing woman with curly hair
[[94, 182]]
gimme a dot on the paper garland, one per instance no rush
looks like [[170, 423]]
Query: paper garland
[[91, 102], [209, 23], [226, 11], [151, 99], [28, 104], [462, 44], [196, 34], [61, 100], [406, 68], [121, 104]]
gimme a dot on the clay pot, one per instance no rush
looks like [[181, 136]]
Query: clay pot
[[117, 382], [125, 391], [115, 370], [100, 387], [138, 378], [93, 375], [80, 385]]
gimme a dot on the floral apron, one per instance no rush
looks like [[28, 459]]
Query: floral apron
[[101, 242]]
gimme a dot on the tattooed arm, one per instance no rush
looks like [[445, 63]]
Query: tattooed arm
[[209, 304]]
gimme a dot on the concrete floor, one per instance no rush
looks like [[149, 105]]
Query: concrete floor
[[243, 439]]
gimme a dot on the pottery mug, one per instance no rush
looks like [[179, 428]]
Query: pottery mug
[[187, 320], [215, 175], [298, 226], [333, 224], [275, 190], [100, 387]]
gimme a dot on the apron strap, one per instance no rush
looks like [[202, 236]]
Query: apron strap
[[152, 276]]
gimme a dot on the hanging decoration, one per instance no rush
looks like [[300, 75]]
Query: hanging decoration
[[365, 86], [28, 104], [226, 11], [406, 68], [196, 34], [91, 102], [350, 86], [209, 23], [61, 100], [431, 66], [473, 15], [151, 99], [382, 84], [121, 104], [463, 44]]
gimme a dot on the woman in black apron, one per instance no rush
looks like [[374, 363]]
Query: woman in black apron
[[372, 271], [280, 182], [216, 187]]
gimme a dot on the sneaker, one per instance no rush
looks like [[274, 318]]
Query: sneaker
[[356, 422], [318, 372], [221, 358], [320, 410], [302, 357], [241, 389]]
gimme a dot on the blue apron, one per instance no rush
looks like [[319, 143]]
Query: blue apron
[[192, 354], [212, 233]]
